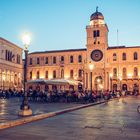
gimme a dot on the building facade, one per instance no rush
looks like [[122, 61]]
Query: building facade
[[115, 67], [11, 69]]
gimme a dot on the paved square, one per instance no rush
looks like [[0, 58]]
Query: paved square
[[116, 120]]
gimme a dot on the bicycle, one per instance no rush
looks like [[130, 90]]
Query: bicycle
[[138, 109]]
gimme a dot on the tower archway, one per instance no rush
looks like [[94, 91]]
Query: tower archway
[[98, 83]]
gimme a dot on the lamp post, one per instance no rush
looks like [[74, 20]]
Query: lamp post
[[91, 69], [120, 83], [25, 108]]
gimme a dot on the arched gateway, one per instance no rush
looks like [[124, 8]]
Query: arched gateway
[[98, 83]]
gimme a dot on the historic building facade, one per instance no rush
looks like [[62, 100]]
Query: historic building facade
[[11, 69], [115, 67]]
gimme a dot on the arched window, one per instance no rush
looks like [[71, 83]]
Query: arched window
[[71, 73], [115, 72], [135, 56], [80, 73], [30, 74], [71, 59], [62, 73], [124, 56], [114, 57], [37, 75], [54, 74], [135, 71], [80, 58], [124, 72]]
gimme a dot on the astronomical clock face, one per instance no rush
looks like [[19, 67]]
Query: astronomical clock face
[[96, 55]]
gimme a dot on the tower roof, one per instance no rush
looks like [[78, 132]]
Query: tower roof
[[97, 15]]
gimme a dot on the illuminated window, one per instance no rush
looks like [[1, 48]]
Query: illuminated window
[[62, 73], [38, 75], [30, 74], [80, 73], [115, 72], [46, 75], [124, 56], [124, 72], [71, 73], [135, 56], [135, 71], [54, 74]]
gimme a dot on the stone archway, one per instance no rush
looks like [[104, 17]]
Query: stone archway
[[98, 83], [124, 87], [135, 87], [114, 87]]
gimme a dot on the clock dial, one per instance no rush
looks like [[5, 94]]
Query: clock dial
[[96, 55]]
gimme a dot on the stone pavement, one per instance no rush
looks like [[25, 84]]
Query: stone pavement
[[115, 120], [9, 108]]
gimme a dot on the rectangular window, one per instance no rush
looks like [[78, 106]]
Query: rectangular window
[[46, 74], [94, 33], [38, 60], [54, 74], [46, 60], [98, 33], [6, 54], [54, 60], [30, 61], [71, 59]]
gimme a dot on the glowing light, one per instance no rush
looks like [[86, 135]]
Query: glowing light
[[120, 78], [50, 77], [129, 75], [111, 75], [42, 76], [75, 77], [66, 76], [3, 78], [91, 66], [101, 86], [33, 77], [26, 39], [98, 80]]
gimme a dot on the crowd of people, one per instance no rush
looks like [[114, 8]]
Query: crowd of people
[[65, 96]]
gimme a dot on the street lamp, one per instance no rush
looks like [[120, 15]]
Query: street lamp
[[120, 83], [91, 66], [25, 108]]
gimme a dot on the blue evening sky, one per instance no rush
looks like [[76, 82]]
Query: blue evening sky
[[60, 24]]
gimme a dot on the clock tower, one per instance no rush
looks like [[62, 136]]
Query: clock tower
[[97, 44]]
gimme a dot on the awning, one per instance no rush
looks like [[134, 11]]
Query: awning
[[56, 82]]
